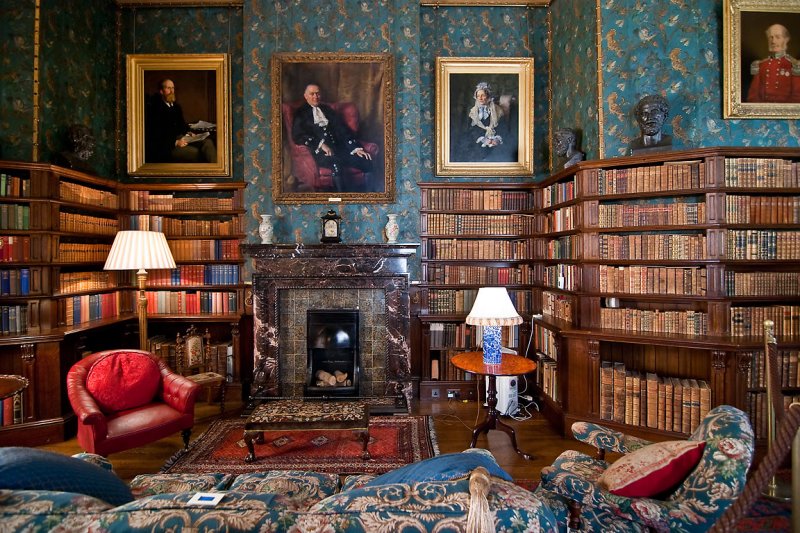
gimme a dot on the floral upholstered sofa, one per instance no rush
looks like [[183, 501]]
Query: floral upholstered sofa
[[444, 494]]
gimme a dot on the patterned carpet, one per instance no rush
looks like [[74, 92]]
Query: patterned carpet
[[394, 441]]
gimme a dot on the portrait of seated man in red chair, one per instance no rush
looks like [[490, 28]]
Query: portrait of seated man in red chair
[[326, 152]]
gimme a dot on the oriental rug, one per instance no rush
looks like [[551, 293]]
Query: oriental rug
[[395, 441]]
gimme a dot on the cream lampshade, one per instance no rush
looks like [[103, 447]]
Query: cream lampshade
[[492, 310], [140, 250]]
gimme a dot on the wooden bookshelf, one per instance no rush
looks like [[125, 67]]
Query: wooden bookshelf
[[204, 226], [656, 275], [473, 235], [56, 227]]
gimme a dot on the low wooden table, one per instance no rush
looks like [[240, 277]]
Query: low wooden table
[[305, 414]]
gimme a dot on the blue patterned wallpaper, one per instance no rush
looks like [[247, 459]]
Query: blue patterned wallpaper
[[484, 32], [73, 90], [675, 49], [190, 31], [16, 80], [574, 73]]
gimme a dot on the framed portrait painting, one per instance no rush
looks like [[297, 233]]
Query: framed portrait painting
[[179, 121], [332, 127], [484, 116], [762, 69]]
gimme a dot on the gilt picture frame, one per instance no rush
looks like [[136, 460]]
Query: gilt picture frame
[[760, 83], [315, 160], [471, 141], [200, 84]]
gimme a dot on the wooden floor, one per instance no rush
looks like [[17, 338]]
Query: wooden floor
[[453, 421]]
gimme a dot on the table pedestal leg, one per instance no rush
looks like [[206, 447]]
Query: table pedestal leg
[[492, 420]]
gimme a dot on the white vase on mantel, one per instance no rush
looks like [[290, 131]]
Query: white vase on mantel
[[392, 229], [266, 230]]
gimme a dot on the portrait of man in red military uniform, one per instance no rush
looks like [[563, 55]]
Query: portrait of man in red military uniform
[[776, 78]]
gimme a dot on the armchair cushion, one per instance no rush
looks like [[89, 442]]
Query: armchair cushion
[[32, 469], [123, 380], [652, 470]]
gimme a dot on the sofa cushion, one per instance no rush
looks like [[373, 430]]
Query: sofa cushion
[[302, 488], [33, 469], [150, 484], [652, 470], [443, 467], [123, 380], [45, 510]]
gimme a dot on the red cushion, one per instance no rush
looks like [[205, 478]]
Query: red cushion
[[123, 380], [652, 470]]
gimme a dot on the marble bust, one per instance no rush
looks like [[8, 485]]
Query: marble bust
[[651, 112]]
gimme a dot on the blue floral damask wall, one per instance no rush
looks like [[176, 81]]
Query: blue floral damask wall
[[675, 49]]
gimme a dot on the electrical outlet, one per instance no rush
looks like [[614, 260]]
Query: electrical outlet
[[434, 393], [453, 393]]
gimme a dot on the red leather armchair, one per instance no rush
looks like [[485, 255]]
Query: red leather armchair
[[128, 398], [311, 178]]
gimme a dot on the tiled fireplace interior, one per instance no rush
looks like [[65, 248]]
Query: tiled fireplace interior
[[373, 334]]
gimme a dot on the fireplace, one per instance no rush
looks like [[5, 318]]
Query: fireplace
[[289, 280], [333, 352]]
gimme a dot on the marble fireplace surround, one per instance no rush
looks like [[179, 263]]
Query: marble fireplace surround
[[286, 267]]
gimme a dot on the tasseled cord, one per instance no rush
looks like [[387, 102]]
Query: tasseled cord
[[480, 519]]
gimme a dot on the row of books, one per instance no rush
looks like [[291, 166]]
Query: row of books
[[565, 247], [81, 194], [14, 186], [652, 178], [762, 283], [443, 369], [220, 355], [85, 308], [760, 172], [15, 216], [545, 341], [446, 335], [762, 209], [79, 223], [180, 227], [460, 301], [12, 410], [649, 400], [626, 215], [557, 306], [756, 409], [563, 219], [476, 200], [192, 302], [148, 201], [565, 277], [13, 319], [69, 282], [457, 249], [205, 249], [81, 252], [762, 244], [194, 275], [547, 376], [14, 248], [477, 275], [788, 361], [15, 282], [653, 246], [746, 321], [655, 321], [440, 223], [653, 280], [557, 193]]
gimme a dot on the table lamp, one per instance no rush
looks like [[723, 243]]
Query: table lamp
[[492, 310], [140, 250]]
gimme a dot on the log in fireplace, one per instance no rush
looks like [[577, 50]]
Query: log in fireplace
[[333, 352]]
